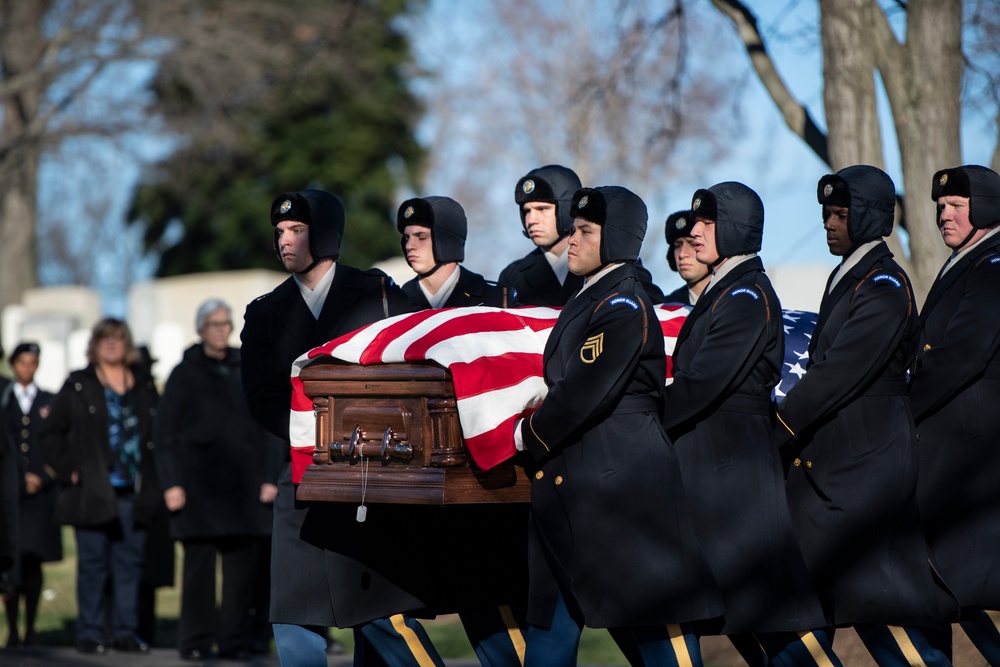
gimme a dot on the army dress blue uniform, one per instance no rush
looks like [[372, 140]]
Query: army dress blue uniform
[[727, 359], [954, 392], [609, 518], [852, 468]]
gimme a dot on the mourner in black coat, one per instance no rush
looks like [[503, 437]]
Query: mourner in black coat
[[541, 278], [218, 473], [99, 442], [726, 361], [24, 407], [954, 392], [852, 468], [681, 259], [327, 568], [609, 516]]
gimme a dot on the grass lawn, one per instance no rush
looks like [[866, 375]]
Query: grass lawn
[[57, 615]]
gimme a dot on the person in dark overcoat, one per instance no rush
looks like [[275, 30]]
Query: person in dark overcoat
[[99, 441], [433, 231], [681, 259], [542, 277], [328, 569], [25, 407], [954, 391], [217, 473], [9, 476], [726, 361], [434, 248], [852, 466], [609, 518]]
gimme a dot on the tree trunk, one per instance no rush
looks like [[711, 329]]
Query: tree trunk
[[21, 47]]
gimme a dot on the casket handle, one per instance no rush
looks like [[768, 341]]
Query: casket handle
[[389, 450], [352, 448]]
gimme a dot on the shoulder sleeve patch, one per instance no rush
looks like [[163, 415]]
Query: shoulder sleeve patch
[[632, 303], [885, 277], [745, 290], [995, 259]]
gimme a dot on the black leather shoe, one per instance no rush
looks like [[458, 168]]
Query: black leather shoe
[[131, 644], [89, 645]]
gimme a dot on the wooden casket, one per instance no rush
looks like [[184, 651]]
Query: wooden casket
[[394, 430]]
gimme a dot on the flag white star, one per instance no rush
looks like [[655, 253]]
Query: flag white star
[[797, 369]]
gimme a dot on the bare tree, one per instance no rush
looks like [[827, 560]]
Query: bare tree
[[923, 86], [609, 90]]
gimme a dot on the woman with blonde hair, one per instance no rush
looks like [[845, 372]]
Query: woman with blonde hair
[[98, 440]]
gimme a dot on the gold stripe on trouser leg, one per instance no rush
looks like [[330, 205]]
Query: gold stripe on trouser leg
[[516, 638], [910, 652], [679, 645], [412, 641], [817, 652], [995, 617]]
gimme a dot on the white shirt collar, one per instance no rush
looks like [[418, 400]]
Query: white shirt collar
[[727, 268], [25, 396], [851, 261], [587, 282], [444, 293], [965, 251], [316, 297], [559, 264]]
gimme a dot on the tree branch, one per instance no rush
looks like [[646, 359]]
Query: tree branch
[[796, 115]]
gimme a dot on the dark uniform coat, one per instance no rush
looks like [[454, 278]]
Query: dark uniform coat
[[333, 570], [726, 360], [208, 444], [8, 501], [75, 439], [470, 290], [852, 482], [39, 533], [536, 283], [955, 394], [607, 501]]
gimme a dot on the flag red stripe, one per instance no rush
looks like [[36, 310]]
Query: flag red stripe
[[491, 373]]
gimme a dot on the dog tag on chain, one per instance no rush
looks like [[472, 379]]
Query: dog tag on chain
[[362, 513], [362, 509]]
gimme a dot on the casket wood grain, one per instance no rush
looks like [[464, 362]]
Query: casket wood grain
[[401, 420]]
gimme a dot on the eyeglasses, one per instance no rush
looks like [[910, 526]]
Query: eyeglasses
[[219, 325]]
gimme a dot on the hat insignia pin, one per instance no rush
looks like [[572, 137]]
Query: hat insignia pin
[[696, 204], [943, 179], [408, 213], [827, 190], [583, 201], [286, 206], [528, 187], [681, 223]]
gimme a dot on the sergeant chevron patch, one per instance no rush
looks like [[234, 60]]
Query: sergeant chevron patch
[[592, 348]]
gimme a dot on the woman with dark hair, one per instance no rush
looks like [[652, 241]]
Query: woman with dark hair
[[99, 442]]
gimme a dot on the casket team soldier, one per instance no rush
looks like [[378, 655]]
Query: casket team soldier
[[542, 277], [610, 522], [954, 392], [326, 567], [681, 259], [490, 564], [852, 468], [727, 359], [433, 232]]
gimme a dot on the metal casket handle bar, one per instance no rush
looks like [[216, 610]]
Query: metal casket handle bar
[[358, 445]]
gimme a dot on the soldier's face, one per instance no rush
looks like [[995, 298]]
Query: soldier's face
[[953, 220], [838, 240], [540, 223], [418, 248], [703, 237], [687, 264], [293, 244], [24, 367], [584, 247]]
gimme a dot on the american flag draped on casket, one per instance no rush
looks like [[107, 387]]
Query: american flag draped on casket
[[495, 359]]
